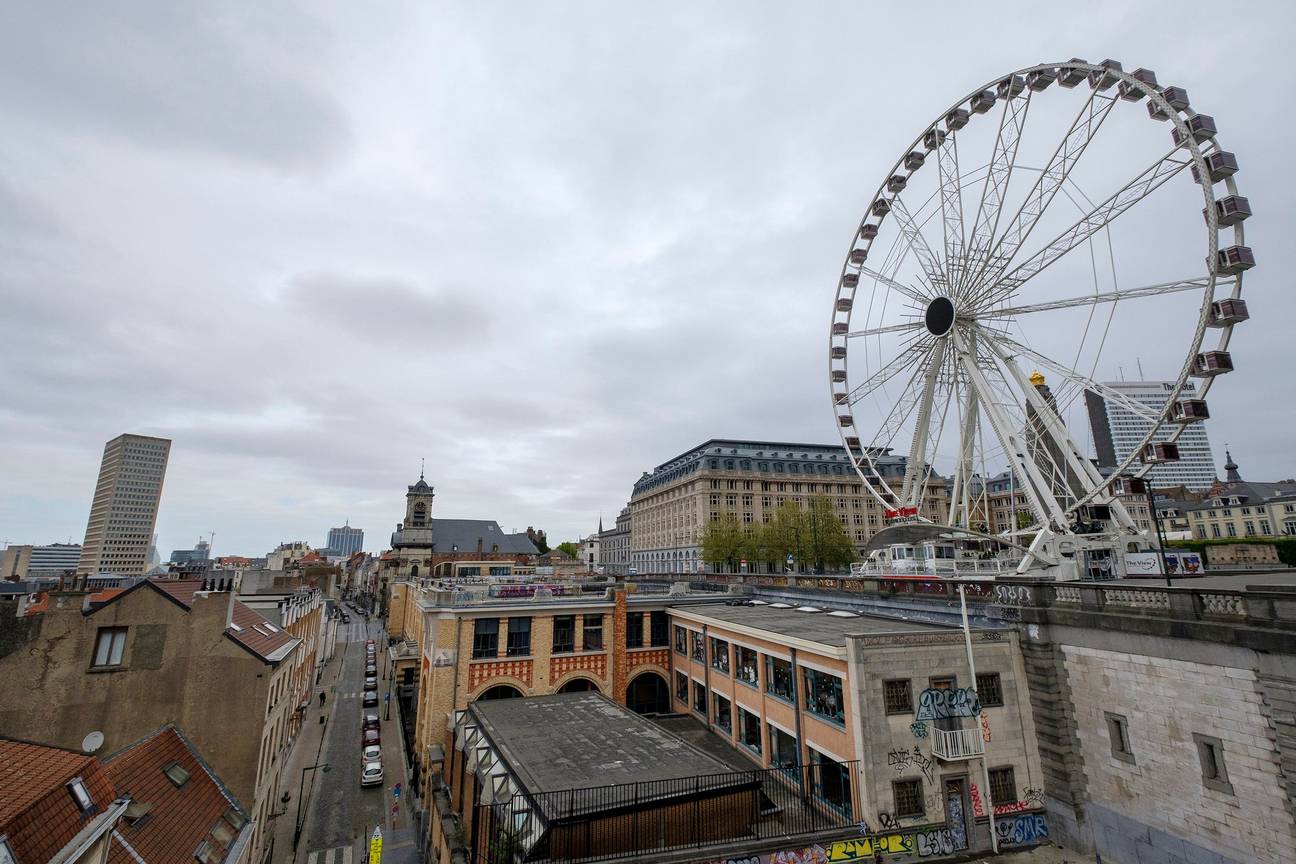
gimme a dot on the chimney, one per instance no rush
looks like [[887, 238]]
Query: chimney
[[214, 609]]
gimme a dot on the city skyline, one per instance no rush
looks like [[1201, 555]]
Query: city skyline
[[702, 230]]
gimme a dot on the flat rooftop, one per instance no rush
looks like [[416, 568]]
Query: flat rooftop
[[821, 627]]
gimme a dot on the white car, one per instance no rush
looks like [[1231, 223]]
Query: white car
[[371, 774], [372, 753]]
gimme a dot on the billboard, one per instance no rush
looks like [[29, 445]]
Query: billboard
[[1149, 563]]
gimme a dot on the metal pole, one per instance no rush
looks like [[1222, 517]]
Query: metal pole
[[1156, 520], [985, 765]]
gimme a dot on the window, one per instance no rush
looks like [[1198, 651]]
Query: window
[[749, 730], [908, 796], [723, 712], [989, 690], [176, 773], [80, 795], [634, 630], [720, 655], [1118, 732], [681, 687], [658, 627], [592, 638], [1003, 786], [699, 647], [519, 637], [1232, 529], [784, 752], [897, 696], [1215, 532], [778, 679], [1210, 751], [699, 698], [831, 782], [564, 634], [110, 645], [824, 696], [745, 665], [681, 641], [485, 638]]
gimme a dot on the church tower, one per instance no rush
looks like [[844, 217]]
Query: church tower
[[418, 504]]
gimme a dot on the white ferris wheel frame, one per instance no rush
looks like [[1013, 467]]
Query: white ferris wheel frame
[[981, 280]]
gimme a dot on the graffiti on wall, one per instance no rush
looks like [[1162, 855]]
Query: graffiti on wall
[[985, 728], [902, 759], [1021, 829], [1032, 799], [918, 728], [923, 842], [937, 704]]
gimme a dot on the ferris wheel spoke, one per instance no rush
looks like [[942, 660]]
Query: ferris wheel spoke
[[1196, 284], [891, 328], [1081, 132], [1011, 123], [1076, 378], [898, 364], [927, 259], [900, 412], [912, 293], [922, 423], [1096, 219], [951, 201]]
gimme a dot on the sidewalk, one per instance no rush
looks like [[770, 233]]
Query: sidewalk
[[305, 752]]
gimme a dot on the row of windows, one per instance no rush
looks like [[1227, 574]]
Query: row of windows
[[486, 632], [897, 693]]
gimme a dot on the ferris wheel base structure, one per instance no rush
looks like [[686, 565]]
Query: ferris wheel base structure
[[965, 323]]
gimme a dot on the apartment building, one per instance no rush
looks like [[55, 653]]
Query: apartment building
[[20, 562], [159, 652], [752, 479], [123, 513], [884, 712]]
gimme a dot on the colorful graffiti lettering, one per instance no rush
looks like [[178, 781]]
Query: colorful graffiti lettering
[[936, 704], [985, 728], [941, 841], [978, 808], [902, 759], [918, 728], [810, 855], [1031, 800], [1022, 829]]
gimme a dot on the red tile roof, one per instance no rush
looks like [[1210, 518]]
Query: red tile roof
[[38, 814], [266, 640], [42, 603], [175, 819]]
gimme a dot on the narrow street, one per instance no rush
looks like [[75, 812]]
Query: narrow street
[[338, 814]]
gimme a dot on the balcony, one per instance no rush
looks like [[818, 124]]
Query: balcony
[[953, 745]]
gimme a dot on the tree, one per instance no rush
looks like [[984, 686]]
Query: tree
[[568, 548], [828, 544], [723, 541]]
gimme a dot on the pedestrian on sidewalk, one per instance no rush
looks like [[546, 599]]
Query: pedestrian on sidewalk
[[321, 698]]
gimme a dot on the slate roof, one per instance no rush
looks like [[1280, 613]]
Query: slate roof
[[819, 627], [253, 632], [166, 822], [464, 533], [38, 814], [1249, 491]]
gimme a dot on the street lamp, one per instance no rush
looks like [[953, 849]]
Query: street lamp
[[297, 829]]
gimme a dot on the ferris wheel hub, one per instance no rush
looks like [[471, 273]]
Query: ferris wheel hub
[[940, 316]]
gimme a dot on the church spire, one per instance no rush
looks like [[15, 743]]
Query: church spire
[[1231, 468], [421, 467]]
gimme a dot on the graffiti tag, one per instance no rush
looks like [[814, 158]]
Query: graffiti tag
[[918, 728], [1033, 796], [887, 822], [1031, 800], [941, 841], [1012, 595], [935, 704], [810, 855], [1022, 829], [985, 728], [902, 759]]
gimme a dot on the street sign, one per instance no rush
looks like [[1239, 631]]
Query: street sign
[[375, 846], [789, 557]]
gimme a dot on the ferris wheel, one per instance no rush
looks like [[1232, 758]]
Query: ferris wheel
[[1042, 235]]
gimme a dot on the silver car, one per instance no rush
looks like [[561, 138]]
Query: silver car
[[371, 774]]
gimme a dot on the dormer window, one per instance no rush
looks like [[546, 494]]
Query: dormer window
[[80, 794]]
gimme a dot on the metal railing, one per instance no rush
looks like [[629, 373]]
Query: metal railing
[[633, 819], [942, 567], [956, 744]]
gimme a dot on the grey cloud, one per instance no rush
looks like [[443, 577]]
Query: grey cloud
[[387, 310]]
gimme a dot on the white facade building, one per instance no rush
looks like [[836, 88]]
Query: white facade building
[[1117, 431], [123, 513]]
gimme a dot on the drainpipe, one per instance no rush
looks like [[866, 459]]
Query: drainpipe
[[796, 714], [985, 764], [706, 674]]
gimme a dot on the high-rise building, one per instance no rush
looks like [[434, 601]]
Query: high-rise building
[[200, 552], [345, 541], [39, 562], [124, 510], [1117, 431]]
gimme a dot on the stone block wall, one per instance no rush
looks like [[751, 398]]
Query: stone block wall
[[1155, 805]]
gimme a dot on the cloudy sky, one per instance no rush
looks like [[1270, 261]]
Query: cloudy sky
[[545, 246]]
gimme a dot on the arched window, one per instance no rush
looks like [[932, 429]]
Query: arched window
[[501, 691]]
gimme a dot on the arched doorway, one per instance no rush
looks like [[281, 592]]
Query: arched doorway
[[648, 693], [500, 691], [578, 685]]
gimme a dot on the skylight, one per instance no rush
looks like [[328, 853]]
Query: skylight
[[780, 605], [808, 609], [176, 773], [759, 603], [839, 613], [79, 794]]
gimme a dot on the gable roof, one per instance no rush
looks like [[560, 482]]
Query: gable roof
[[98, 597], [250, 630], [38, 814], [167, 822]]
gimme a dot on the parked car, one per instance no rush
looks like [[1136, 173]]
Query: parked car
[[371, 668], [371, 753], [371, 681], [346, 619], [370, 699], [370, 721], [370, 737], [371, 774], [369, 643]]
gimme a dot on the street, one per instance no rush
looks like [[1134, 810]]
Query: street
[[338, 814]]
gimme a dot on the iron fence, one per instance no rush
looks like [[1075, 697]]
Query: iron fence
[[626, 820]]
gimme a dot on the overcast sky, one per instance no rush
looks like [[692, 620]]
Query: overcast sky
[[545, 246]]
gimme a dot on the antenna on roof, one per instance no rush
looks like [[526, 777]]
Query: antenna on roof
[[421, 467]]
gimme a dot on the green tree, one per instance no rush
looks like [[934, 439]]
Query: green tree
[[723, 541], [787, 535], [827, 543], [760, 546], [567, 547]]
